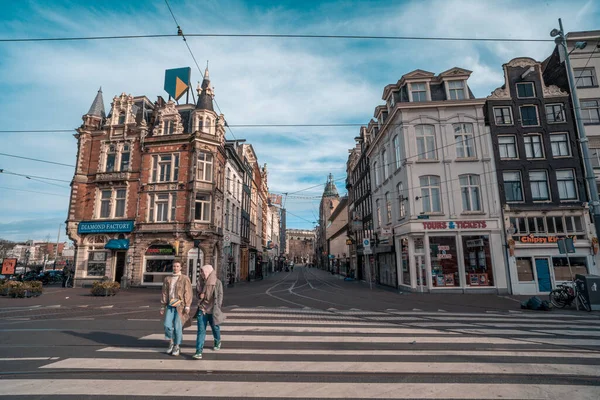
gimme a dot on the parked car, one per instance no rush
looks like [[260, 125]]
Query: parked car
[[29, 276], [50, 277]]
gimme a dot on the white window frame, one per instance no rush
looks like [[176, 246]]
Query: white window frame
[[593, 111], [171, 204], [396, 143], [158, 164], [561, 113], [427, 193], [537, 115], [425, 134], [111, 152], [561, 183], [378, 211], [592, 76], [206, 175], [552, 142], [464, 140], [509, 108], [401, 199], [168, 127], [388, 208], [206, 207], [530, 146], [471, 188], [112, 202], [375, 174], [531, 84], [453, 91], [537, 182], [384, 161], [419, 91], [504, 145], [504, 181], [126, 149]]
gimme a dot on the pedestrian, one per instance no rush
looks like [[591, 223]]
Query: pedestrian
[[210, 300], [176, 299]]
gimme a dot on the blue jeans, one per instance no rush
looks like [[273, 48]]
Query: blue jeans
[[173, 328], [203, 319]]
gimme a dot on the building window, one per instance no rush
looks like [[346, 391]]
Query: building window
[[388, 208], [202, 209], [425, 142], [205, 166], [463, 137], [444, 261], [111, 157], [96, 265], [162, 207], [125, 155], [384, 160], [120, 198], [555, 113], [529, 116], [503, 116], [538, 180], [507, 146], [418, 91], [378, 211], [478, 260], [585, 77], [525, 90], [227, 215], [533, 146], [430, 194], [456, 90], [105, 203], [121, 118], [168, 127], [590, 111], [375, 174], [401, 198], [165, 168], [469, 188], [397, 151], [560, 145], [565, 179], [524, 269], [513, 189]]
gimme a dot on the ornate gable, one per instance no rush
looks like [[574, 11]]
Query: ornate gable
[[456, 71], [418, 73], [122, 110], [168, 121]]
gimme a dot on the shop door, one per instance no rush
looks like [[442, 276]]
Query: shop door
[[120, 266], [194, 265], [421, 273], [543, 274]]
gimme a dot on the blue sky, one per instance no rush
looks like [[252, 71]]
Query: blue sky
[[50, 85]]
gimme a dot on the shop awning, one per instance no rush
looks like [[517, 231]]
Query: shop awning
[[117, 244]]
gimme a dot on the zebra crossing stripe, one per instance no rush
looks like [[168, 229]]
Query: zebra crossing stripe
[[295, 390], [326, 367], [294, 329]]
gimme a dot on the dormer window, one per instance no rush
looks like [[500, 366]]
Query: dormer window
[[418, 91], [169, 127], [122, 118], [456, 90]]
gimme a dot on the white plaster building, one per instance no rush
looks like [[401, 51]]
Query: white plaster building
[[234, 180], [435, 197]]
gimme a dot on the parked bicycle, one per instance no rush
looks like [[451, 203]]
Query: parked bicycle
[[565, 294]]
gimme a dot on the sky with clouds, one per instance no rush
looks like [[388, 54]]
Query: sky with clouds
[[50, 85]]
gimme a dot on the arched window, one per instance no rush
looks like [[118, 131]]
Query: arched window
[[430, 193]]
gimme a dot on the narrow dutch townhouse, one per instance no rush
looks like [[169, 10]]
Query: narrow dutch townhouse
[[539, 168], [245, 214], [359, 206], [273, 236], [254, 245], [148, 189], [434, 192], [232, 239]]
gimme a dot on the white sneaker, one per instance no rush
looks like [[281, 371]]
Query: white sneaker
[[176, 351], [171, 347]]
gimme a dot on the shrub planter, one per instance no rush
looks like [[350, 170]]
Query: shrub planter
[[105, 288]]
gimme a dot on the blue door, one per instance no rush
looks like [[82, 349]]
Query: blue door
[[543, 274]]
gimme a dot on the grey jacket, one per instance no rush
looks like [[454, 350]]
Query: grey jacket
[[212, 302], [218, 315]]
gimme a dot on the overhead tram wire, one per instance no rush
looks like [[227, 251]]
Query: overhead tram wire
[[37, 160], [270, 35], [33, 176], [33, 191], [180, 33]]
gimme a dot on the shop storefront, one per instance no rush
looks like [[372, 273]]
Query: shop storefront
[[535, 263], [461, 256], [158, 263]]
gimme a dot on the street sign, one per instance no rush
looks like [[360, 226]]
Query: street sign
[[367, 243], [368, 251]]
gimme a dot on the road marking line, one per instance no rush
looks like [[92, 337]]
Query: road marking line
[[25, 358], [77, 319], [111, 306], [144, 306], [143, 319], [295, 390], [365, 330], [352, 339], [55, 306], [512, 332], [328, 366]]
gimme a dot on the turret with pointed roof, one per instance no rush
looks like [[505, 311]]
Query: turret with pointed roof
[[97, 108], [205, 94], [330, 188]]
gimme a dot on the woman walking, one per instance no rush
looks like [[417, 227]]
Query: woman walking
[[210, 299], [176, 299]]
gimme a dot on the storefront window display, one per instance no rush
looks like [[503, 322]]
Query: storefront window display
[[97, 263], [159, 263], [478, 261], [444, 261], [561, 268]]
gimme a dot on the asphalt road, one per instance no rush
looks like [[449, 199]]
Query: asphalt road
[[302, 334]]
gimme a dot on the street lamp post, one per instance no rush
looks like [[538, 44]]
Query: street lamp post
[[590, 177]]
